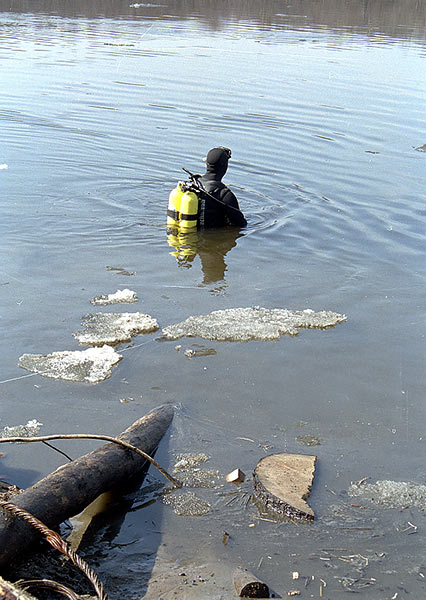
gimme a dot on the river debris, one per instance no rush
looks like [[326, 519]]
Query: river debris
[[9, 591], [121, 271], [282, 482], [309, 440], [198, 350], [30, 429], [391, 494], [244, 324], [91, 366], [236, 476], [114, 328], [68, 490], [120, 296]]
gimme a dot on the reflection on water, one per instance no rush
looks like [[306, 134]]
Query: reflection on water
[[399, 19], [211, 246]]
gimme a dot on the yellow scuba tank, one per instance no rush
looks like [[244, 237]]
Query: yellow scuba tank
[[188, 212], [174, 207]]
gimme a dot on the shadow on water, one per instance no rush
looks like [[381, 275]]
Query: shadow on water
[[211, 246], [114, 533]]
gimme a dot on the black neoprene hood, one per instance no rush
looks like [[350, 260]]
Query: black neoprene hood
[[217, 162], [218, 156]]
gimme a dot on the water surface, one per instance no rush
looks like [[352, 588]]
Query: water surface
[[323, 105]]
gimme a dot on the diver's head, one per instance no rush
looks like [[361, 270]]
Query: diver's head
[[217, 160]]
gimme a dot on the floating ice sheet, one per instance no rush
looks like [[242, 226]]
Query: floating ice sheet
[[92, 365], [120, 296], [29, 430], [244, 324], [114, 328], [392, 494]]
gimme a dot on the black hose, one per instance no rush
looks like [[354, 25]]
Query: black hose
[[202, 189]]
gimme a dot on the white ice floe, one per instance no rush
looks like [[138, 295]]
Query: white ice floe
[[120, 296], [29, 430], [92, 365], [244, 324], [391, 494], [145, 5], [114, 328], [3, 167]]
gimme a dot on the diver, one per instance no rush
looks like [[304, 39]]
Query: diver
[[219, 207]]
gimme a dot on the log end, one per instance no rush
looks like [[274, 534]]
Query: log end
[[249, 586], [282, 482]]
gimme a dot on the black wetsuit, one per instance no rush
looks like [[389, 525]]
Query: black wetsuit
[[225, 212]]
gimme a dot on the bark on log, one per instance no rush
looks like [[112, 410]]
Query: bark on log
[[249, 586], [282, 482], [68, 490]]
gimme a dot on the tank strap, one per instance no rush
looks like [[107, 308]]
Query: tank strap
[[184, 217], [173, 214]]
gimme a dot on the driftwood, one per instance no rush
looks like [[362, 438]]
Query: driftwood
[[249, 586], [282, 482], [9, 591], [68, 490]]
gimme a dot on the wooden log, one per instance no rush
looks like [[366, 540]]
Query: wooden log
[[282, 482], [68, 490], [249, 586]]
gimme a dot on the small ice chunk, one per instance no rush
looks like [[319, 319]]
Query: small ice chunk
[[392, 494], [145, 5], [114, 328], [3, 167], [29, 430], [120, 296], [187, 504], [244, 324], [189, 460], [92, 365]]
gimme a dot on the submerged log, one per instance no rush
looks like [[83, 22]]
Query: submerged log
[[249, 586], [68, 490], [282, 482]]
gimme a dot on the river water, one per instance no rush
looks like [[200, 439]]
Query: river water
[[323, 105]]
